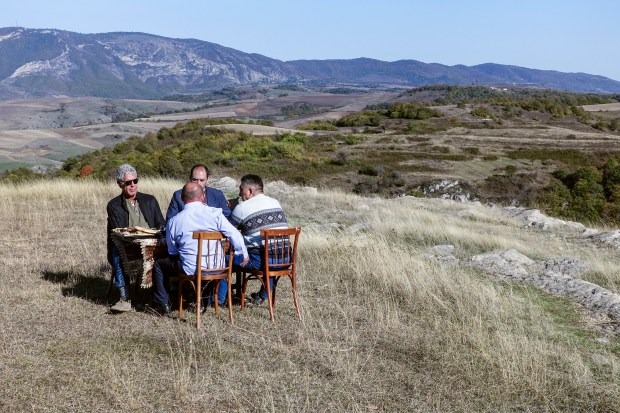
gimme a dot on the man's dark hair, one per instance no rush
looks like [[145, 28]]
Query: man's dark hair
[[252, 180], [197, 166]]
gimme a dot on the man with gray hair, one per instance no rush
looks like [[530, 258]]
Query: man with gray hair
[[130, 209]]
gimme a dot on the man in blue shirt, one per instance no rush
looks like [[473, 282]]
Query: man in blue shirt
[[213, 197], [182, 248]]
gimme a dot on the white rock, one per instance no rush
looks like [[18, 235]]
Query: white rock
[[225, 184]]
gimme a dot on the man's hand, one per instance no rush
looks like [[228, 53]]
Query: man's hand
[[245, 261], [232, 203]]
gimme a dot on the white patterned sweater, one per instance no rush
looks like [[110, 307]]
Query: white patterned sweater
[[257, 213]]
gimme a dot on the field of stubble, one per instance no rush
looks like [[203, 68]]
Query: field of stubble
[[383, 328]]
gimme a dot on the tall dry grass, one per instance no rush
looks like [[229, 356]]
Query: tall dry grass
[[384, 329]]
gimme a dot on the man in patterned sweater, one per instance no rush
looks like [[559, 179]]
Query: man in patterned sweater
[[255, 212]]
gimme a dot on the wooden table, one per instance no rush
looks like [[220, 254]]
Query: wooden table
[[138, 253]]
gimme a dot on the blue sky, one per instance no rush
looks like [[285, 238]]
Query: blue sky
[[566, 35]]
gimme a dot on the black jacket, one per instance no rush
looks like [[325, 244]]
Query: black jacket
[[118, 215]]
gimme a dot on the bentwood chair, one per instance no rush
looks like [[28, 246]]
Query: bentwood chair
[[211, 266], [280, 253]]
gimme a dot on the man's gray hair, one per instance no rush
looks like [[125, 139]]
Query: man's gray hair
[[252, 180], [123, 170]]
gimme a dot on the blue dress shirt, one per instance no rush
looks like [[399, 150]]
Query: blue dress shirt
[[197, 216]]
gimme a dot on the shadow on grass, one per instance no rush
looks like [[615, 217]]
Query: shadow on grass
[[91, 287]]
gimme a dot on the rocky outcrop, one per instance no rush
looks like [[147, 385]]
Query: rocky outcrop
[[609, 239], [225, 184], [533, 218], [557, 276]]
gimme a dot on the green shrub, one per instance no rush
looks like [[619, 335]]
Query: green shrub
[[368, 170], [411, 110], [21, 174], [318, 125], [472, 150], [569, 156], [364, 118], [354, 139], [421, 127]]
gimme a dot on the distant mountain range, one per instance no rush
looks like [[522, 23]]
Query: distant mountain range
[[42, 63]]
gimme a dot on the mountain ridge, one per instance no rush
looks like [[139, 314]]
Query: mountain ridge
[[51, 62]]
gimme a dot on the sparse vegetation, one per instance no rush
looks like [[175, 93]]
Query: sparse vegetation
[[534, 132], [318, 125], [303, 109]]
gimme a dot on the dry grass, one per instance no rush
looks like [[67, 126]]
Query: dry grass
[[383, 328]]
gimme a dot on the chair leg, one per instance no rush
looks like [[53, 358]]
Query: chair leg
[[238, 285], [230, 312], [215, 296], [273, 291], [269, 299], [294, 287], [244, 285], [110, 287], [198, 301], [180, 294]]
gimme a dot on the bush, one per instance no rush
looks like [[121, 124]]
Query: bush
[[569, 156], [472, 150], [369, 170], [411, 110], [86, 170], [354, 139], [364, 118], [510, 170], [21, 174], [318, 125]]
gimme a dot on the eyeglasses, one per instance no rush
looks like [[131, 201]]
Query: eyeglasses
[[131, 181]]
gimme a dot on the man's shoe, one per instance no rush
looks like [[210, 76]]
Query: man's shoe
[[164, 309], [256, 299], [123, 305]]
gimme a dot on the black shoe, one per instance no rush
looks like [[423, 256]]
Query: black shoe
[[256, 299], [163, 309]]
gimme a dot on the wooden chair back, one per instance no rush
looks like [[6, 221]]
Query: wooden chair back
[[279, 260], [214, 267]]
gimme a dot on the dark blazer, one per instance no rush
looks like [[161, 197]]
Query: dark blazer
[[215, 198], [118, 215]]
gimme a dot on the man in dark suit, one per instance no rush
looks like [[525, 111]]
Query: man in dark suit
[[213, 197], [130, 209]]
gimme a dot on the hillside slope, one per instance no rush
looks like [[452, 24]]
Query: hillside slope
[[385, 326]]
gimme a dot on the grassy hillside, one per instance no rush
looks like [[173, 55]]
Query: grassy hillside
[[384, 328], [548, 149], [524, 147]]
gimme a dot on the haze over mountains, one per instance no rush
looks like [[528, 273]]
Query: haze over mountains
[[44, 63]]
